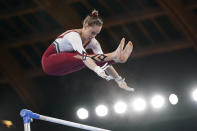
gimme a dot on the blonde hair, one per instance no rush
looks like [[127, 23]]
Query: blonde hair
[[93, 19]]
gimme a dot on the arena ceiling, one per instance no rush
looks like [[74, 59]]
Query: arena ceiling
[[27, 27]]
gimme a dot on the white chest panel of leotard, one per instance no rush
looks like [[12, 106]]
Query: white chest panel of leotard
[[72, 42]]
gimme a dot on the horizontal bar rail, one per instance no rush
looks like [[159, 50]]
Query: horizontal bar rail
[[28, 115]]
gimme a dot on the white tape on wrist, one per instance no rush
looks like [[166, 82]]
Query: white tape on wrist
[[105, 66], [119, 79], [98, 70]]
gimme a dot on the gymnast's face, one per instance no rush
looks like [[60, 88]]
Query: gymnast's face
[[90, 32]]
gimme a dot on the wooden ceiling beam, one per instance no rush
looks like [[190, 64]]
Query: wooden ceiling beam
[[166, 47], [182, 17], [23, 87], [192, 6], [3, 80], [62, 11], [30, 40], [126, 18], [19, 13]]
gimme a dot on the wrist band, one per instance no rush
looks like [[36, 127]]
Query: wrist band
[[98, 69], [118, 79]]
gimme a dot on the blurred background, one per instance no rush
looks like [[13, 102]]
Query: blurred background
[[164, 60]]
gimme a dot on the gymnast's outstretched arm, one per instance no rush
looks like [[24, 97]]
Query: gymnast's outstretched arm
[[120, 55], [123, 54]]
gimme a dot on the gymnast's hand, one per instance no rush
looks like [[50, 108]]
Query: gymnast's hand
[[122, 84], [100, 72]]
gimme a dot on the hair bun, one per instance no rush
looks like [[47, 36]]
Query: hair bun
[[94, 14]]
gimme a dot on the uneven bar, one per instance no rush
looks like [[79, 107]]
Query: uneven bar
[[28, 115]]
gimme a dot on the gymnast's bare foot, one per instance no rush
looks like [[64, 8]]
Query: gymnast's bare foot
[[121, 55]]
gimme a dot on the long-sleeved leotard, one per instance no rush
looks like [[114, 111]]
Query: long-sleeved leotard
[[59, 58]]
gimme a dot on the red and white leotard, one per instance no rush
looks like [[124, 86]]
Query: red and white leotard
[[59, 58], [71, 41]]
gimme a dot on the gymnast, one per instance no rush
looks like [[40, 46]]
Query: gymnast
[[68, 53]]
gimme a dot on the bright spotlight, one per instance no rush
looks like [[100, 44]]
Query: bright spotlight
[[82, 113], [194, 94], [120, 107], [173, 99], [101, 110], [139, 104], [157, 101]]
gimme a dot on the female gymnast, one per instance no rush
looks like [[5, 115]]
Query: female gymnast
[[68, 54]]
